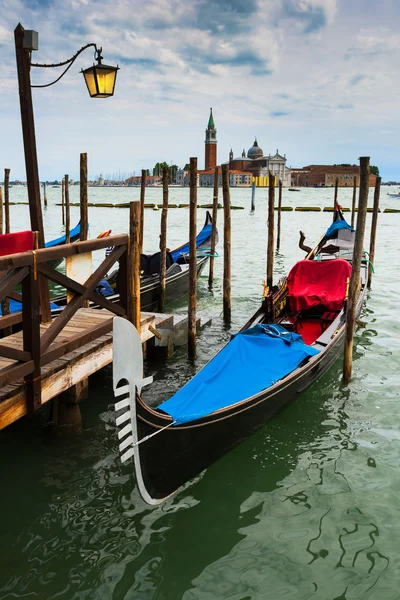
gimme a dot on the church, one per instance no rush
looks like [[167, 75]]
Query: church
[[253, 166]]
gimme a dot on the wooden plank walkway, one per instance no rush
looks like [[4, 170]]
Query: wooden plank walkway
[[63, 373]]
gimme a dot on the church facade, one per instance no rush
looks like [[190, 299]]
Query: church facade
[[259, 165]]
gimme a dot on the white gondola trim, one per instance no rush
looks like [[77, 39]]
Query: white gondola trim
[[122, 404], [127, 429], [127, 454], [147, 380], [121, 390], [123, 418], [126, 443]]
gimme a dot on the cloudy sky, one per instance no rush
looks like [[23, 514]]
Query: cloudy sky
[[316, 79]]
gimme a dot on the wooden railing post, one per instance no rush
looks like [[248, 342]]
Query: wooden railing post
[[31, 337]]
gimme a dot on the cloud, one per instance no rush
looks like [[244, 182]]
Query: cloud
[[313, 15]]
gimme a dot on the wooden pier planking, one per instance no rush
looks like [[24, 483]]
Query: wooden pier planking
[[62, 373]]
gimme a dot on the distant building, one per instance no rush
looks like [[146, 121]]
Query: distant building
[[210, 159], [150, 180], [259, 166], [101, 180], [325, 176]]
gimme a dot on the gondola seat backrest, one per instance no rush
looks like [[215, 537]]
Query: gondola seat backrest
[[318, 283], [155, 262], [12, 243], [144, 265]]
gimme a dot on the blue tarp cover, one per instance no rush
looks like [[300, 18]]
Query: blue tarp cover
[[334, 228], [16, 306], [61, 240], [252, 361], [202, 237]]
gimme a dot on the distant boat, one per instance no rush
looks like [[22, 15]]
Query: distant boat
[[396, 195], [56, 186], [294, 190]]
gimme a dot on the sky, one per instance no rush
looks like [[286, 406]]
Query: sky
[[316, 79]]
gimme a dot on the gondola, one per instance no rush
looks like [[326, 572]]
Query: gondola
[[177, 274], [291, 340]]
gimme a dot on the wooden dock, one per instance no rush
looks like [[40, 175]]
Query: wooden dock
[[61, 374]]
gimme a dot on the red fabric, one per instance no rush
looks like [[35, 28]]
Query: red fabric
[[11, 243], [312, 283]]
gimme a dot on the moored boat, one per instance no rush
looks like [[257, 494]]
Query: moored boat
[[290, 341], [177, 274]]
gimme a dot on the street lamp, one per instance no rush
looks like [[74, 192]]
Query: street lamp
[[100, 81]]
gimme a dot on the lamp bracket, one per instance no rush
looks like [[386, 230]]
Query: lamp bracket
[[68, 62]]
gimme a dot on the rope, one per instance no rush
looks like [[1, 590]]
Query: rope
[[147, 437], [203, 254]]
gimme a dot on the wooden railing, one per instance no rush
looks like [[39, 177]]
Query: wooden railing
[[39, 349]]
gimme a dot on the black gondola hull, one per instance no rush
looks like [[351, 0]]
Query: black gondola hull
[[179, 453]]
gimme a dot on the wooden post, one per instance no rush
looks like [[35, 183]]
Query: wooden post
[[163, 242], [253, 197], [67, 213], [63, 201], [31, 338], [44, 194], [356, 265], [213, 227], [335, 197], [373, 228], [270, 243], [83, 188], [134, 265], [23, 57], [278, 237], [227, 243], [353, 204], [192, 260], [142, 197], [7, 199]]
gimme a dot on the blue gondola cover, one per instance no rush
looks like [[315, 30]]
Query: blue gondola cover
[[334, 228], [202, 237], [252, 361]]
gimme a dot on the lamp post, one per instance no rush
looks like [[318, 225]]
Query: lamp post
[[100, 80]]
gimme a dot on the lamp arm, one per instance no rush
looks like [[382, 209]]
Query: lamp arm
[[68, 62]]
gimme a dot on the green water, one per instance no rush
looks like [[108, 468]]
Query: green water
[[305, 508]]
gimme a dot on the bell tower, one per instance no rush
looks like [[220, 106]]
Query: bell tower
[[210, 160]]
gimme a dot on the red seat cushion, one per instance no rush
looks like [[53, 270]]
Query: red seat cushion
[[11, 243], [314, 283]]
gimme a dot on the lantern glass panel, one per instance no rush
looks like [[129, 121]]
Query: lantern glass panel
[[89, 76], [105, 81]]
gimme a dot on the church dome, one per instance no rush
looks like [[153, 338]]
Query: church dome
[[255, 151]]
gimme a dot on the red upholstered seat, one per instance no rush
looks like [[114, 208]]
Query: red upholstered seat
[[11, 243], [313, 283]]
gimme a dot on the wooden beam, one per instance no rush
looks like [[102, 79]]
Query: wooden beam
[[59, 323]]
